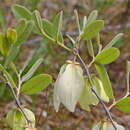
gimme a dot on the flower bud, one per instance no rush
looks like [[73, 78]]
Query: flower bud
[[107, 125], [68, 86], [16, 119]]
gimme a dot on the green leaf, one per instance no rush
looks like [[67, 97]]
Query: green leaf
[[124, 105], [20, 27], [128, 76], [21, 12], [26, 64], [98, 42], [90, 48], [87, 94], [2, 18], [105, 80], [2, 36], [92, 30], [16, 120], [84, 22], [11, 35], [34, 4], [92, 17], [100, 89], [4, 45], [98, 39], [13, 67], [32, 70], [36, 84], [25, 34], [57, 24], [31, 116], [8, 76], [38, 22], [47, 27], [117, 38], [107, 56], [12, 55]]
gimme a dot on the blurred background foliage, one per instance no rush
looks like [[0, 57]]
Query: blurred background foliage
[[116, 14]]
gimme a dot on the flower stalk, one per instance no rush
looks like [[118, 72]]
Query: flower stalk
[[94, 91]]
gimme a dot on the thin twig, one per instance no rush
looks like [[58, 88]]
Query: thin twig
[[19, 86], [74, 34], [17, 102], [16, 99], [92, 87]]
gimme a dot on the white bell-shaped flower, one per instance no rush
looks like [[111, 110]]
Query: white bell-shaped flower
[[68, 86]]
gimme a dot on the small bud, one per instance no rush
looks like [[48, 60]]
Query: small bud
[[16, 119], [107, 125], [11, 35], [68, 86]]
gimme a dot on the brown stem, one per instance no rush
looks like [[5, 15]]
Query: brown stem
[[17, 102], [15, 97], [94, 91]]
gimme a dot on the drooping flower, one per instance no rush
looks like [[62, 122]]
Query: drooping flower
[[68, 86]]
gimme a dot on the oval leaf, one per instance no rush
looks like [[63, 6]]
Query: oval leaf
[[38, 22], [25, 32], [47, 27], [124, 105], [31, 116], [92, 17], [92, 30], [87, 94], [12, 55], [16, 120], [105, 80], [2, 37], [11, 35], [32, 70], [100, 89], [8, 76], [107, 56], [116, 39], [90, 48], [21, 12], [36, 84], [57, 24]]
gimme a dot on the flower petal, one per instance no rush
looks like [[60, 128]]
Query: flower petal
[[70, 85], [56, 99]]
